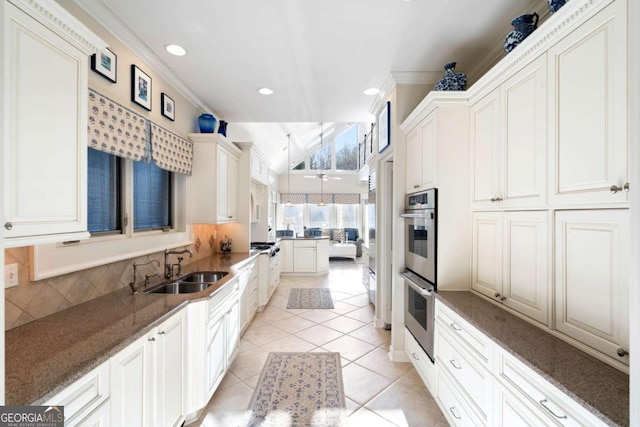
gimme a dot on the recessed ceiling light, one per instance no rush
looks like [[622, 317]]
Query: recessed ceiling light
[[176, 50], [372, 91], [265, 91]]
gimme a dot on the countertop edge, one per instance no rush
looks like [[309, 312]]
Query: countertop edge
[[515, 353], [85, 368]]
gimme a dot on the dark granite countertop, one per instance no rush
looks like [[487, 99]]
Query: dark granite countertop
[[600, 388], [47, 355]]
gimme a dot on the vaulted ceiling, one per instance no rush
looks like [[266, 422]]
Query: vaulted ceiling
[[318, 56]]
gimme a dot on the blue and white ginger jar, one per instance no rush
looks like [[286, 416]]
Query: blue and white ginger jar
[[554, 5], [451, 79], [523, 26]]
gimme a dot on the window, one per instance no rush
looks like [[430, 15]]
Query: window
[[151, 197], [319, 216], [293, 218], [346, 216], [300, 166], [104, 193], [321, 159], [347, 149]]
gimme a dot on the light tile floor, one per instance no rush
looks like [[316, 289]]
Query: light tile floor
[[378, 392]]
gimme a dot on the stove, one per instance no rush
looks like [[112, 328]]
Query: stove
[[271, 247]]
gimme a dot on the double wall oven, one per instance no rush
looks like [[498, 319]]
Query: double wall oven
[[420, 261]]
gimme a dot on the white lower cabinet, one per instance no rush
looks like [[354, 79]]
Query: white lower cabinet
[[101, 417], [511, 258], [223, 334], [424, 366], [592, 279], [496, 390], [147, 378], [84, 396], [248, 284]]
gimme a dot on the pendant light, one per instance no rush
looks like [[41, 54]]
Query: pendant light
[[321, 171], [288, 204]]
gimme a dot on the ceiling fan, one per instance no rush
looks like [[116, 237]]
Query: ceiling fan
[[323, 176]]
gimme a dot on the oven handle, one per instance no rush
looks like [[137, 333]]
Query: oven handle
[[417, 215], [413, 285]]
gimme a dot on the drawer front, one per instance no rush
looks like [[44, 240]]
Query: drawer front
[[304, 244], [425, 367], [476, 342], [454, 408], [83, 396], [470, 375], [253, 301], [227, 293], [549, 401]]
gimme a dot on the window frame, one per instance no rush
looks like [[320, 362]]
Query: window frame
[[50, 260]]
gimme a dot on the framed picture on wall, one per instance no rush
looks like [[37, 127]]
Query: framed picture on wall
[[105, 63], [384, 128], [168, 107], [140, 87]]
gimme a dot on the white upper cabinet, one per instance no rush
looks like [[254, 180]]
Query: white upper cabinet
[[592, 278], [508, 131], [422, 155], [511, 253], [215, 179], [45, 124], [588, 111]]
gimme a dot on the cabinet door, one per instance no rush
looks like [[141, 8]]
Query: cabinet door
[[588, 103], [322, 255], [523, 154], [287, 256], [304, 260], [592, 278], [45, 140], [216, 353], [487, 253], [132, 376], [485, 148], [223, 185], [413, 161], [170, 359], [233, 329], [232, 188], [101, 417], [526, 279], [429, 152]]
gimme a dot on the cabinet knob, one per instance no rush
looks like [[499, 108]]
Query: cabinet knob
[[497, 295], [493, 200], [161, 333], [615, 189], [416, 186], [8, 225], [622, 352], [498, 199], [152, 339]]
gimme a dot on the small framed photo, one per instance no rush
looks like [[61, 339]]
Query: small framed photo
[[140, 87], [105, 63], [168, 107], [384, 128]]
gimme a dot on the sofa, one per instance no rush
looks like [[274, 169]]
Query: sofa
[[352, 246]]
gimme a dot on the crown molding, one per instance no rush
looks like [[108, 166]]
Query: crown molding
[[105, 17], [496, 52], [64, 24]]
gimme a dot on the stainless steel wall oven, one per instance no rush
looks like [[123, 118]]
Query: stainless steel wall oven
[[420, 262]]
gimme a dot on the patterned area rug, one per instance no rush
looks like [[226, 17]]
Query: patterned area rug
[[299, 389], [310, 298]]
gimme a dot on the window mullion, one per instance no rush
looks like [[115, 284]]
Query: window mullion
[[127, 197]]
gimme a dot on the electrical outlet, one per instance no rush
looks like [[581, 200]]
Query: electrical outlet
[[10, 275]]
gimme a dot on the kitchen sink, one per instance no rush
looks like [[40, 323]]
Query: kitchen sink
[[192, 282], [203, 276]]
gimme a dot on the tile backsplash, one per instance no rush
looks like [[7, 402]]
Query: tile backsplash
[[33, 300]]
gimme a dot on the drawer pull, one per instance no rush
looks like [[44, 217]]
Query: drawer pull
[[414, 356], [152, 339], [455, 327], [161, 333], [543, 401], [453, 363], [453, 412]]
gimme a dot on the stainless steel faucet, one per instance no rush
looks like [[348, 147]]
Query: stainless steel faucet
[[169, 269], [133, 285]]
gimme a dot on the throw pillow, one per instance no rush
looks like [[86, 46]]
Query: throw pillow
[[338, 235]]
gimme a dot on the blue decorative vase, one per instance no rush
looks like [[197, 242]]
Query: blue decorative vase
[[207, 123], [222, 128], [451, 79], [522, 27], [554, 5]]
